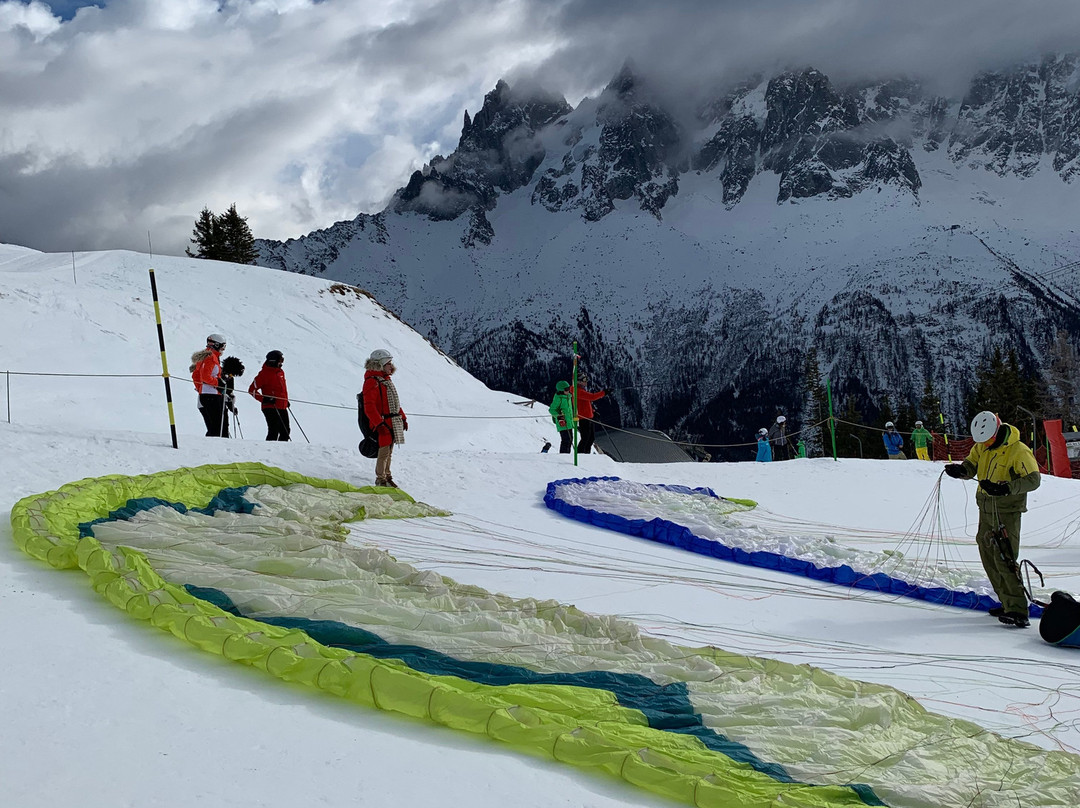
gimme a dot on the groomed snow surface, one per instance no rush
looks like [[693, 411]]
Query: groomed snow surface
[[99, 709]]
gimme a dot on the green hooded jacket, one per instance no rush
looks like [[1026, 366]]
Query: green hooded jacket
[[562, 406], [921, 437]]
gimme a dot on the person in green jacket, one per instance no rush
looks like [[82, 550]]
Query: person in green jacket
[[922, 440], [1007, 471], [562, 415]]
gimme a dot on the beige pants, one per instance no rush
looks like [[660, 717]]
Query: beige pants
[[382, 464], [898, 456]]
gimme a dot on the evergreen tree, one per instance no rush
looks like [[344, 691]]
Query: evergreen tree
[[1001, 386], [929, 404], [1062, 376], [815, 406], [237, 239], [886, 414], [206, 236], [852, 439], [223, 238]]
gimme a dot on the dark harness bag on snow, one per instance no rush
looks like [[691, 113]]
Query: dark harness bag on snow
[[1060, 623], [369, 446]]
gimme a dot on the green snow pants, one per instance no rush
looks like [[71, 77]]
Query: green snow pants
[[1001, 571]]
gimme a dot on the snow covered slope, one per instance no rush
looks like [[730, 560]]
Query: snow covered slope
[[99, 319], [101, 710]]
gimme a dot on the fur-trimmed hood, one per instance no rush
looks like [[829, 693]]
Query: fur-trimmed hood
[[197, 357]]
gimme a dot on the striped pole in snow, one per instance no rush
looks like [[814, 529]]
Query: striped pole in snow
[[164, 362]]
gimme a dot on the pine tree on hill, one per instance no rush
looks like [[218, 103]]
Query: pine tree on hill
[[206, 236], [239, 243], [223, 238]]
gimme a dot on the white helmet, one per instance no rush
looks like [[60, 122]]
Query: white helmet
[[380, 355], [918, 423], [889, 425], [984, 426], [780, 419], [763, 431], [216, 339]]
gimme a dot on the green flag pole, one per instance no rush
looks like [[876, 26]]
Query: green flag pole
[[832, 421], [574, 403]]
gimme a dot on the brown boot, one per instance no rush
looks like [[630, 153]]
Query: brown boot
[[380, 482], [389, 482]]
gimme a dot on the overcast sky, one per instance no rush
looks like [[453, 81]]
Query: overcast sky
[[123, 117]]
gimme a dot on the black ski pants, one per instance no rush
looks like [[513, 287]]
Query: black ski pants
[[212, 407], [586, 435], [277, 423]]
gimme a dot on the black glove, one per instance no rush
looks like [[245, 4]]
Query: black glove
[[955, 470], [269, 401], [994, 489]]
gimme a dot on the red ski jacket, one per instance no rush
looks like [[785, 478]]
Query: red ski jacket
[[269, 388], [207, 371], [585, 400], [377, 406]]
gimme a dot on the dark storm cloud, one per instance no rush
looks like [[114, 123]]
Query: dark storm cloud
[[133, 115]]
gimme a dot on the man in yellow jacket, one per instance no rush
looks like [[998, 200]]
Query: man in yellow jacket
[[1006, 470]]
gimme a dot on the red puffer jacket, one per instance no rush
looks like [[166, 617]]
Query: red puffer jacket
[[268, 387], [206, 372], [377, 406]]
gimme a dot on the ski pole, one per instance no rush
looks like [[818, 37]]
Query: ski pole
[[302, 432], [236, 420]]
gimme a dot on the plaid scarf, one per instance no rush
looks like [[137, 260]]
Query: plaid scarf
[[393, 403]]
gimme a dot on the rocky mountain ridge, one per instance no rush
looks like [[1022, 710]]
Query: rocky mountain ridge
[[697, 258]]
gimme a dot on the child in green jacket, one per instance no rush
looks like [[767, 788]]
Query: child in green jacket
[[562, 415]]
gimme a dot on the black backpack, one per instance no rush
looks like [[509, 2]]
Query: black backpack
[[369, 446]]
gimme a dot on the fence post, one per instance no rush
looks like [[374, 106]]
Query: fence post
[[574, 402], [164, 363], [7, 379], [832, 421], [945, 435]]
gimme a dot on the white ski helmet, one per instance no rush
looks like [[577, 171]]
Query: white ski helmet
[[380, 355], [889, 425], [763, 431], [780, 419], [216, 339], [918, 423], [984, 426]]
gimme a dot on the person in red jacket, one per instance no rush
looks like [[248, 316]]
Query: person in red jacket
[[586, 427], [270, 391], [383, 410], [206, 375]]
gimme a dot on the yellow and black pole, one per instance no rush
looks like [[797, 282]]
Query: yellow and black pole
[[945, 435], [164, 362], [574, 402]]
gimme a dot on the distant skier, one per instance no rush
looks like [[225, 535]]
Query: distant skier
[[586, 427], [206, 375], [562, 415], [922, 440], [894, 442], [231, 369], [1007, 471], [764, 450], [778, 438], [269, 389], [383, 410]]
